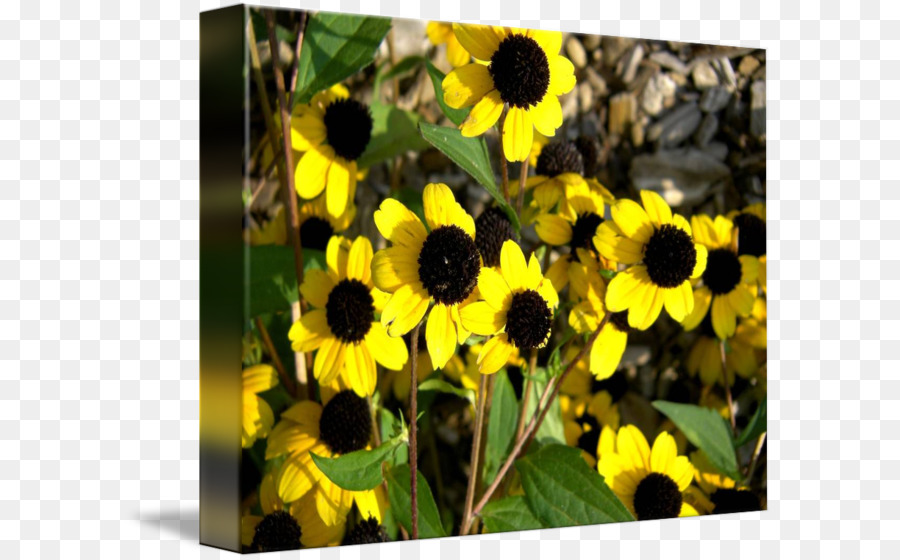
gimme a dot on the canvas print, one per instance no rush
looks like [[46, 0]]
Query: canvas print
[[490, 279]]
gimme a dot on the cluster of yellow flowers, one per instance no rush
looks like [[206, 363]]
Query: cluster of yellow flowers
[[468, 283]]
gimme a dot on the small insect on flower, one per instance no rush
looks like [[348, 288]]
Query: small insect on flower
[[524, 72], [662, 255], [333, 130], [518, 304], [440, 266], [343, 327]]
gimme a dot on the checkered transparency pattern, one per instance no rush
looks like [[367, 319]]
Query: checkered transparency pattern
[[99, 294]]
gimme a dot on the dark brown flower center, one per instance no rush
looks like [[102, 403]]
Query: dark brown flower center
[[583, 231], [590, 153], [521, 71], [670, 256], [315, 233], [657, 497], [528, 320], [557, 158], [345, 424], [729, 500], [366, 532], [723, 271], [751, 235], [449, 264], [277, 531], [350, 310], [492, 229], [348, 126]]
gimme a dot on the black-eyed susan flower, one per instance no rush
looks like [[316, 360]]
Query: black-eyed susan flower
[[525, 73], [650, 482], [729, 281], [282, 527], [575, 224], [717, 493], [333, 130], [343, 327], [662, 255], [751, 239], [258, 417], [368, 531], [440, 33], [341, 426], [492, 229], [559, 166], [517, 307], [440, 266], [317, 226]]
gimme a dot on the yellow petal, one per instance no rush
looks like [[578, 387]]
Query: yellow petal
[[483, 115], [482, 319], [741, 300], [341, 186], [617, 248], [329, 360], [702, 300], [441, 209], [518, 131], [297, 476], [308, 333], [438, 32], [607, 352], [395, 266], [682, 224], [558, 273], [493, 288], [645, 312], [480, 40], [562, 75], [311, 174], [466, 85], [548, 293], [724, 228], [259, 378], [307, 131], [679, 300], [336, 255], [703, 231], [663, 454], [553, 229], [723, 317], [550, 41], [359, 261], [317, 284], [632, 220], [400, 225], [627, 288], [440, 335], [632, 446], [457, 55], [657, 209], [388, 351], [333, 503], [405, 309], [512, 265], [361, 372], [494, 354], [749, 268], [547, 115], [368, 504], [534, 277], [700, 266]]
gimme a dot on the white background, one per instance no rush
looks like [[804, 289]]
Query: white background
[[99, 321]]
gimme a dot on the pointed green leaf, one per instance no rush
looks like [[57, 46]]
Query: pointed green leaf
[[457, 116], [509, 514], [399, 496], [394, 132], [706, 429], [552, 429], [271, 281], [359, 470], [335, 47], [562, 490], [442, 386], [755, 428]]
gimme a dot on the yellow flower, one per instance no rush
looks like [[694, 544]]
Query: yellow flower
[[421, 266], [576, 222], [275, 529], [559, 166], [705, 356], [650, 482], [333, 131], [716, 493], [525, 73], [751, 225], [662, 255], [729, 281], [343, 328], [258, 417], [317, 225], [440, 33], [518, 303], [342, 426]]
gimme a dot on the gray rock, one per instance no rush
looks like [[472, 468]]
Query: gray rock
[[676, 126], [758, 110], [576, 52], [628, 65], [622, 112], [723, 68], [670, 61], [707, 129], [748, 65], [704, 76], [614, 48], [591, 42], [718, 150], [679, 176], [714, 99], [597, 82], [658, 94]]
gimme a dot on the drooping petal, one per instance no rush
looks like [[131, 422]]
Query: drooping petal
[[466, 85], [341, 186], [553, 229], [308, 333], [483, 115], [700, 266], [311, 174], [390, 352], [679, 300], [493, 288], [457, 55], [562, 75], [361, 370], [329, 360], [482, 319], [723, 317], [440, 335], [646, 310], [480, 40], [547, 115], [749, 268], [395, 266], [494, 354], [702, 301], [607, 352], [518, 131], [405, 309], [627, 288]]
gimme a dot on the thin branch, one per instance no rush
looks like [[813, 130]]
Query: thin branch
[[523, 176], [537, 419], [301, 29], [756, 453], [727, 388], [413, 421], [475, 455], [289, 385]]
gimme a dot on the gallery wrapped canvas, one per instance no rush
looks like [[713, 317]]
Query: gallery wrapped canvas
[[462, 279]]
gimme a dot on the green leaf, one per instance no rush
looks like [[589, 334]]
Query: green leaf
[[399, 496], [394, 132], [457, 116], [335, 47], [755, 428], [408, 64], [501, 426], [706, 429], [608, 274], [562, 490], [472, 155], [509, 514], [261, 29], [442, 386], [271, 284], [359, 470], [552, 428]]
